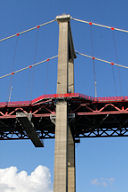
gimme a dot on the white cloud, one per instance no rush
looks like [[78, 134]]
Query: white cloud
[[13, 181], [103, 181]]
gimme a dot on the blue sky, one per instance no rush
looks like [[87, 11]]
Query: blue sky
[[101, 164]]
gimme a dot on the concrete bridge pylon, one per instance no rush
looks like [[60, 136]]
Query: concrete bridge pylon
[[64, 165]]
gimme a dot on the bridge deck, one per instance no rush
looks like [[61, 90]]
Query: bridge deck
[[88, 116], [63, 96]]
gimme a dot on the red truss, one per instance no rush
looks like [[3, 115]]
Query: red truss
[[88, 116]]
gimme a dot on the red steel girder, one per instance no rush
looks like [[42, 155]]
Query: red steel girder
[[93, 117]]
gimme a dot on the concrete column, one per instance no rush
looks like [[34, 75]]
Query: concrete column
[[61, 130], [64, 169], [71, 163], [71, 75], [61, 168], [71, 143], [62, 80]]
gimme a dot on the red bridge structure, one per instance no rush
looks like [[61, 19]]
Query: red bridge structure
[[65, 116], [88, 116]]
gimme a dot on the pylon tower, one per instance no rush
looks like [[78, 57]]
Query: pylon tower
[[64, 166]]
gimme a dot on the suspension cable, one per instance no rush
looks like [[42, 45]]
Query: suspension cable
[[102, 60], [100, 25], [114, 80], [93, 61], [28, 67], [116, 57], [12, 68], [32, 75], [27, 30], [46, 80]]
